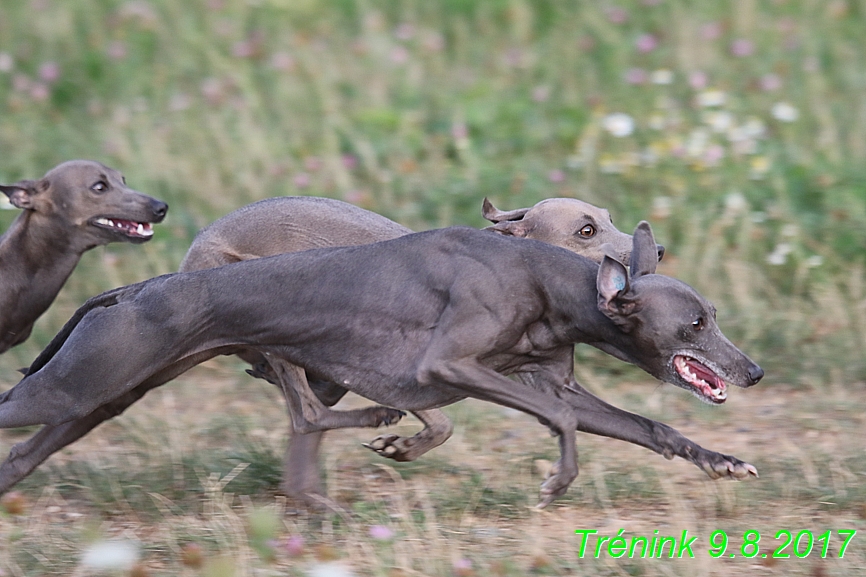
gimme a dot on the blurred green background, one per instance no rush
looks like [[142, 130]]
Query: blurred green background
[[737, 128]]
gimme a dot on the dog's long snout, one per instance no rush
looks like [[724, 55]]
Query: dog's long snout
[[756, 373], [661, 250]]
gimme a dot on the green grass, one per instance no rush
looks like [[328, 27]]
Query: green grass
[[417, 110]]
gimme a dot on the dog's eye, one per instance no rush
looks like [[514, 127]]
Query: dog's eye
[[587, 232], [698, 323], [100, 186]]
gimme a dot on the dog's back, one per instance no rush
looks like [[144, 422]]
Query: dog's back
[[286, 224]]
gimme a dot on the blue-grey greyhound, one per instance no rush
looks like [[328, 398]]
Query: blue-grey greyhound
[[414, 323]]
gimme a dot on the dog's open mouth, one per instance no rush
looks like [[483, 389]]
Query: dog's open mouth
[[128, 227], [708, 384]]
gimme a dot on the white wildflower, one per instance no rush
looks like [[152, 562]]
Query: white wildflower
[[814, 261], [735, 203], [662, 207], [696, 145], [779, 254], [330, 570], [754, 127], [574, 162], [110, 555], [649, 156], [656, 122], [7, 63], [785, 112], [609, 164], [618, 124], [759, 216], [710, 98], [662, 76], [790, 230], [719, 121], [759, 167]]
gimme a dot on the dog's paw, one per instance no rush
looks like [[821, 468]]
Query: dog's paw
[[393, 447], [718, 466], [556, 484], [387, 416], [264, 371]]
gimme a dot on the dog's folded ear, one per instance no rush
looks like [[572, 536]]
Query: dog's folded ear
[[495, 215], [644, 252], [21, 193], [509, 222], [510, 228], [615, 298]]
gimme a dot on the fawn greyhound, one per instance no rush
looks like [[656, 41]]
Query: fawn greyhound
[[414, 323], [76, 206]]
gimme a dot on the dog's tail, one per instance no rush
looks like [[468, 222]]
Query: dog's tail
[[104, 300]]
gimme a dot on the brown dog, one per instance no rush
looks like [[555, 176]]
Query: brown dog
[[76, 206]]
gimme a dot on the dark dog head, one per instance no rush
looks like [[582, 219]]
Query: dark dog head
[[91, 199], [566, 222], [670, 330]]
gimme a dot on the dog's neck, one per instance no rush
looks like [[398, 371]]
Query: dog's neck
[[577, 301], [34, 242], [35, 262]]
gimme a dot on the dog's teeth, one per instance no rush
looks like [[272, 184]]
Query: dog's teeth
[[140, 229]]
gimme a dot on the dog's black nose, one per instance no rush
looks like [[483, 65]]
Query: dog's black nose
[[661, 251], [159, 209], [756, 373]]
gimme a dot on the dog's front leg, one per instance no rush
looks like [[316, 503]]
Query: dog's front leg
[[600, 418], [476, 380]]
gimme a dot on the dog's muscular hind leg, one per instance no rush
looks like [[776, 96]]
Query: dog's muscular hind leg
[[437, 429], [27, 455], [309, 414]]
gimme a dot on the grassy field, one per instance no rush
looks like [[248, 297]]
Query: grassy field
[[738, 129]]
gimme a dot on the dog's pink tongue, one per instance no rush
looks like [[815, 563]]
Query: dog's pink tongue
[[706, 374]]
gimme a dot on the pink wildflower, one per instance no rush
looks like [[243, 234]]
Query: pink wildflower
[[711, 30], [741, 47], [294, 546], [404, 31], [49, 72], [770, 82], [302, 180], [541, 93], [646, 43], [617, 15], [282, 61], [698, 80], [636, 76], [116, 50], [350, 161], [381, 533], [399, 55]]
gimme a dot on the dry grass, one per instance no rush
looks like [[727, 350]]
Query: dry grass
[[178, 469]]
